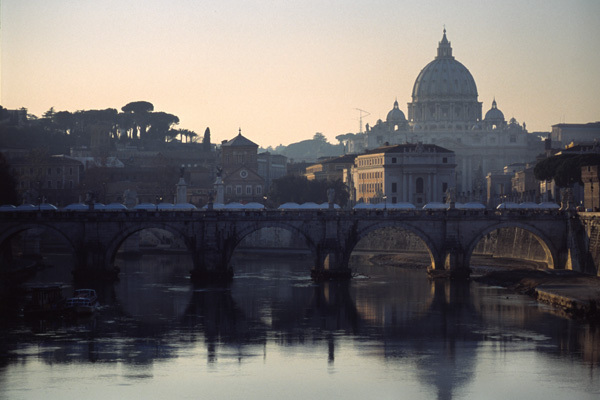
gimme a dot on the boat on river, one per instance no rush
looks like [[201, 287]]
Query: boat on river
[[83, 302]]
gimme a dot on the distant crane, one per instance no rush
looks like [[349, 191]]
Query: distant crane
[[361, 117]]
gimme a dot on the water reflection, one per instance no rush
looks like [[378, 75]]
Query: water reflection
[[443, 338]]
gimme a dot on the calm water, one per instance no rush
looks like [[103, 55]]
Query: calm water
[[274, 334]]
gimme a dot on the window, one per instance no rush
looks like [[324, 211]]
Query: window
[[445, 160], [70, 170], [49, 171], [259, 190], [419, 185], [238, 189], [70, 184], [249, 190], [394, 187], [444, 187], [393, 160], [49, 184]]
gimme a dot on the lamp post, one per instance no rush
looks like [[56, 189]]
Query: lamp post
[[384, 202]]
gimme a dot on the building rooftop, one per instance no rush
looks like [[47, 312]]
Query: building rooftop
[[409, 148], [239, 140]]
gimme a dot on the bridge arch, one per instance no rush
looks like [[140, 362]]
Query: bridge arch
[[362, 232], [117, 241], [242, 233], [6, 255], [547, 246], [11, 232]]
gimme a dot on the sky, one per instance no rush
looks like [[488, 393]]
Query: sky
[[282, 70]]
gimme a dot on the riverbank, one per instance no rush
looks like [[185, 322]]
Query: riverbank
[[573, 294]]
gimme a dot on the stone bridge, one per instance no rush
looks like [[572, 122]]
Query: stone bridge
[[331, 235]]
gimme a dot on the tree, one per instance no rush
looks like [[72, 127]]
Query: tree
[[206, 140], [8, 183], [289, 188], [126, 123], [64, 121], [49, 114], [138, 107], [546, 169], [564, 169], [140, 111], [346, 136], [320, 137], [298, 189], [160, 123]]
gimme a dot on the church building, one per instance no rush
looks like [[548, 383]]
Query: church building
[[239, 160], [445, 111]]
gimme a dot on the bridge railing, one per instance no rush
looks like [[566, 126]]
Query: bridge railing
[[273, 213]]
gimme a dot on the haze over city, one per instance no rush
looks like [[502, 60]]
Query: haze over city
[[282, 71]]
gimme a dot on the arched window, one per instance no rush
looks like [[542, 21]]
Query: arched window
[[419, 185]]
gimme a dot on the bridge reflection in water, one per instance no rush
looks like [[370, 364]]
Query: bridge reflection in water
[[390, 331]]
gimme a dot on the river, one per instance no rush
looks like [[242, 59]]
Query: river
[[390, 333]]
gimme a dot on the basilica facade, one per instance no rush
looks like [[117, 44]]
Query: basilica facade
[[445, 111]]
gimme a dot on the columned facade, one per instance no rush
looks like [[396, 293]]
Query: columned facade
[[407, 173]]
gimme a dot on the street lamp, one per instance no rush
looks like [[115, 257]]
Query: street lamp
[[385, 202]]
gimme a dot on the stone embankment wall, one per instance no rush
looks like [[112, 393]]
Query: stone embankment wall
[[511, 243], [387, 239], [273, 238], [391, 239]]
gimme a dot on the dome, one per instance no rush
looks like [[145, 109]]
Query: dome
[[444, 77], [494, 114], [444, 91], [395, 115]]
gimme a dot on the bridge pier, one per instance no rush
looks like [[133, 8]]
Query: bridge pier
[[92, 264], [330, 263], [455, 266]]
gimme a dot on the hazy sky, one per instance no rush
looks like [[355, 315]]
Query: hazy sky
[[283, 70]]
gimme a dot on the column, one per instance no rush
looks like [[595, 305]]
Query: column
[[410, 188], [404, 187], [429, 191]]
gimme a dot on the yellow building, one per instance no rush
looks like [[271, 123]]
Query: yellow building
[[331, 169], [414, 173]]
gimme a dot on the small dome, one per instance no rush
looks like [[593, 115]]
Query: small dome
[[494, 115], [395, 115]]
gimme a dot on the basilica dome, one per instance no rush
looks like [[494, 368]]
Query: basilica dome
[[395, 115], [494, 115], [444, 90]]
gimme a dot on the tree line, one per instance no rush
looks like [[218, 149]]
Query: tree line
[[137, 121], [564, 169]]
